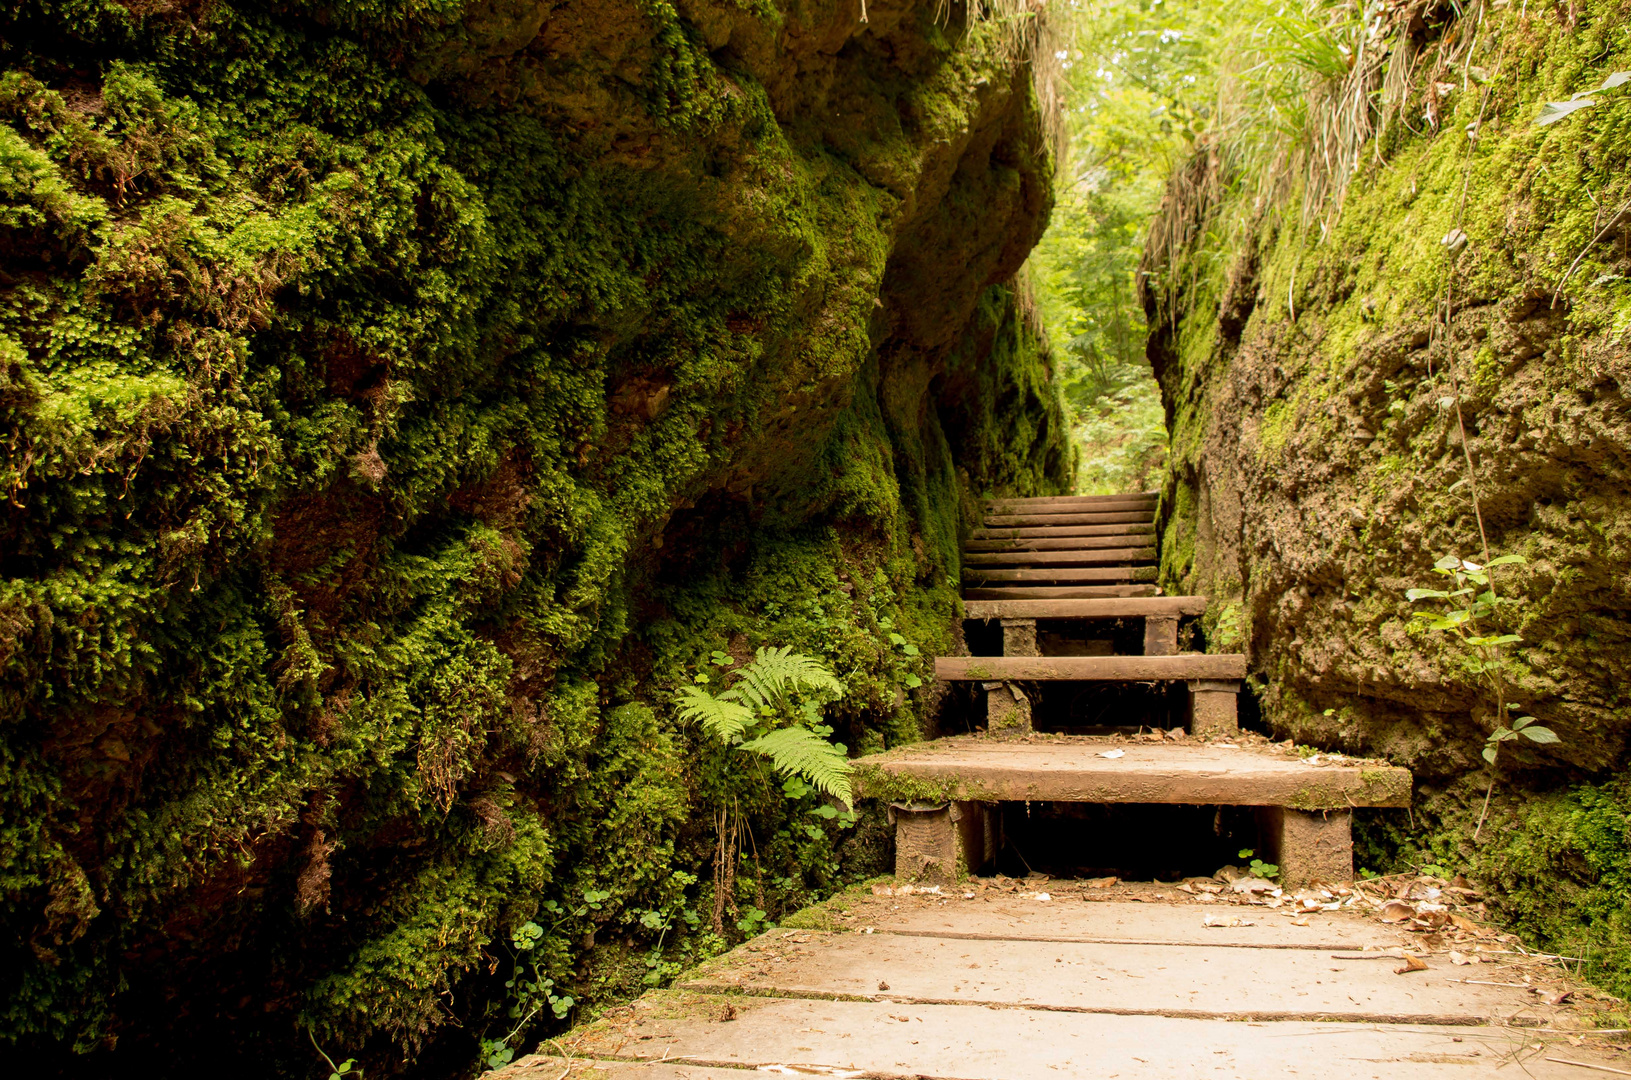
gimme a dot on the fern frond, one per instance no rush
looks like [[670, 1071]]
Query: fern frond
[[775, 673], [803, 753], [723, 719]]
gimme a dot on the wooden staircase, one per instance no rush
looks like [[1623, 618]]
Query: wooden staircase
[[1084, 559]]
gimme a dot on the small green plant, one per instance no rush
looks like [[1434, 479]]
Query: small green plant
[[1466, 607], [345, 1070], [773, 709], [1265, 870]]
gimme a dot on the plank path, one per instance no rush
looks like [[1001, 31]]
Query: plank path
[[982, 983]]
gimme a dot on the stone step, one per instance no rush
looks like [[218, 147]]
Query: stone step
[[1060, 543], [1074, 769], [1105, 608], [1046, 532], [1076, 557], [1183, 666], [1125, 575], [1059, 592]]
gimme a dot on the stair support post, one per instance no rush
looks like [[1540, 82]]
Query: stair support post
[[979, 834], [1160, 635], [1214, 707], [1309, 845], [1019, 637], [1007, 709], [926, 841]]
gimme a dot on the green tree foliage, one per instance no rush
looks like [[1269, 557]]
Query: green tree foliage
[[1137, 79]]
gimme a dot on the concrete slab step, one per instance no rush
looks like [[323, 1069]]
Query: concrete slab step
[[1183, 666], [1102, 608], [1078, 556], [1044, 532], [1128, 980], [1065, 769], [1100, 517], [1068, 917], [1062, 543], [1058, 592], [1062, 575]]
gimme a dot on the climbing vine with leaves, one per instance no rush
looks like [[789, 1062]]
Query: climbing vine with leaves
[[1466, 609]]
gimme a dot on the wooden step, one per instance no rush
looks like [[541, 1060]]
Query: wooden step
[[1049, 532], [1106, 608], [1183, 666], [1059, 592], [1065, 769], [1117, 517], [1061, 543], [1048, 503], [1122, 575], [1079, 557]]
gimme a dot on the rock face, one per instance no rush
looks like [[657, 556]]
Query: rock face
[[400, 401], [1330, 367]]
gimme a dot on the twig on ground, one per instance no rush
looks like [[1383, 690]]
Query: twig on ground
[[1589, 1065]]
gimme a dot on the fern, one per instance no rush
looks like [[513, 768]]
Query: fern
[[776, 673], [801, 752], [724, 719], [763, 690]]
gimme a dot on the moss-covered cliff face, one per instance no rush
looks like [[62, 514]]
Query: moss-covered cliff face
[[399, 401], [1311, 373]]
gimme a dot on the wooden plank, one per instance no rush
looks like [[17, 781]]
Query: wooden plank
[[1212, 666], [1067, 574], [1079, 557], [1058, 592], [1128, 507], [1066, 769], [1061, 543], [1106, 608], [1043, 532], [1118, 517], [1086, 502]]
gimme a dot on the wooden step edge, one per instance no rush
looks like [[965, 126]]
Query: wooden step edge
[[1087, 608], [1203, 666], [1064, 532], [1064, 575], [1059, 592], [1059, 543], [1117, 517], [1073, 500], [1075, 557]]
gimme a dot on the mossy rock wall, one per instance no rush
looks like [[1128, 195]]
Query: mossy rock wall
[[1318, 469], [399, 401]]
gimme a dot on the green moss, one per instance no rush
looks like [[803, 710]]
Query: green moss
[[1321, 448], [391, 429]]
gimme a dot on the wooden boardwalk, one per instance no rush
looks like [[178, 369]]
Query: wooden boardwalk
[[1022, 980]]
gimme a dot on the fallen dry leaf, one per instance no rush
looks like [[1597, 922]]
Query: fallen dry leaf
[[1226, 920], [1396, 911], [1559, 998], [1112, 753], [1100, 882], [1461, 959], [1412, 962]]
